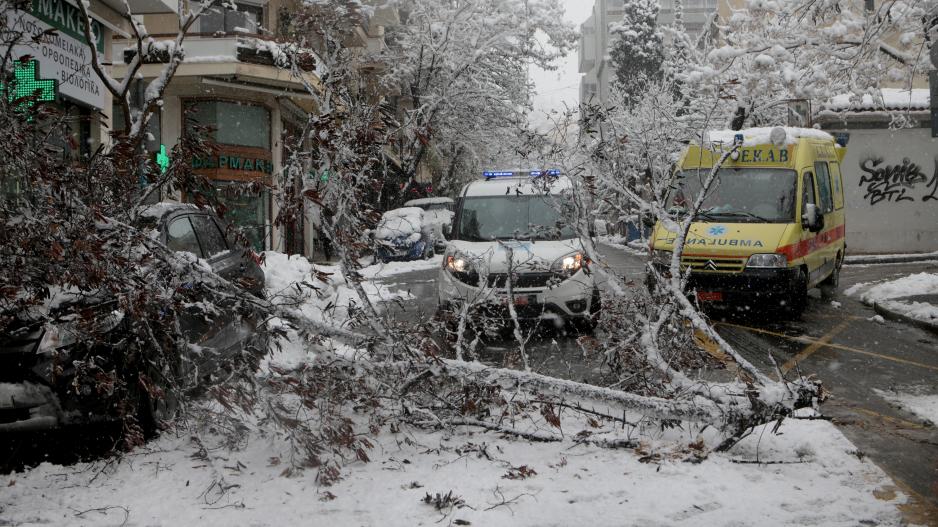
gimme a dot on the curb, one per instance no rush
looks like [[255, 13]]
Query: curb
[[901, 317], [862, 259]]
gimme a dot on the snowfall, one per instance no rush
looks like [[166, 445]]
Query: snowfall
[[806, 473]]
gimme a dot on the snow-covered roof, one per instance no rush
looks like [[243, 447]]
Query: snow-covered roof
[[761, 136], [427, 201], [886, 99], [514, 186]]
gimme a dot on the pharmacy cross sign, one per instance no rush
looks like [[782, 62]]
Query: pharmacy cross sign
[[162, 160], [27, 83]]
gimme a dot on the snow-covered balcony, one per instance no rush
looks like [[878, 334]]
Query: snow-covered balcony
[[233, 56]]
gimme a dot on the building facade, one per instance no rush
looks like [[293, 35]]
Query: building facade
[[890, 173], [235, 91]]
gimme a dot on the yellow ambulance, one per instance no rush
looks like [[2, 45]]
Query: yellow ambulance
[[770, 227]]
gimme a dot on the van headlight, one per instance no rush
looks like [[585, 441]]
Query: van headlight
[[455, 263], [772, 260], [569, 264], [462, 269]]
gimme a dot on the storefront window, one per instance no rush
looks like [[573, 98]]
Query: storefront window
[[246, 209], [234, 123]]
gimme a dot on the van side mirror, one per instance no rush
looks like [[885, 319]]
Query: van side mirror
[[812, 219]]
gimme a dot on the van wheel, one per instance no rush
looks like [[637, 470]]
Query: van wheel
[[798, 296], [831, 283]]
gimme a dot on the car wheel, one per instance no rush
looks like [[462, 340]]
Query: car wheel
[[831, 283], [797, 299]]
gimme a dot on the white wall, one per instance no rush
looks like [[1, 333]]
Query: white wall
[[892, 203]]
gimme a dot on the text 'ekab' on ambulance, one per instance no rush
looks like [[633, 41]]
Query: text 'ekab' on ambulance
[[771, 226], [513, 248]]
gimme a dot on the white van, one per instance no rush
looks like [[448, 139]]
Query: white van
[[512, 224]]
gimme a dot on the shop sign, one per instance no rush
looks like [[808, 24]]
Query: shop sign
[[62, 55], [234, 162]]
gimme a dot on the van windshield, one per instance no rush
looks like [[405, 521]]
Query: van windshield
[[745, 195], [513, 217]]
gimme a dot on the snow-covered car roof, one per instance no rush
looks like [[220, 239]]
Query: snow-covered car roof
[[520, 185], [762, 136], [428, 201], [158, 210], [400, 222]]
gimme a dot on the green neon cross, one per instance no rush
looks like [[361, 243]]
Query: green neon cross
[[27, 83], [162, 160]]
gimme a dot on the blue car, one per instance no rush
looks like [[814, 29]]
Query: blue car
[[402, 235]]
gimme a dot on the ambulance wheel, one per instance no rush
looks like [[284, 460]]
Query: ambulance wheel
[[831, 283], [798, 296]]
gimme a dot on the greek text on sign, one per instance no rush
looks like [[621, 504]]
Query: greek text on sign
[[60, 57], [762, 155]]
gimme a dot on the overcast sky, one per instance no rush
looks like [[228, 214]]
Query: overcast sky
[[554, 88]]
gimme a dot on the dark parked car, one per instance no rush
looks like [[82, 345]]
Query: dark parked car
[[40, 387]]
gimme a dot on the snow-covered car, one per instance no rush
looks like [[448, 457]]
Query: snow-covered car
[[512, 226], [438, 213], [42, 388], [402, 234]]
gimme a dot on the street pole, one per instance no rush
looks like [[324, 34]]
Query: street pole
[[933, 89]]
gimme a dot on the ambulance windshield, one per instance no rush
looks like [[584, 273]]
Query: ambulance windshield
[[745, 195]]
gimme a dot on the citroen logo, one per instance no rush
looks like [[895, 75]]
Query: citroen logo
[[709, 265]]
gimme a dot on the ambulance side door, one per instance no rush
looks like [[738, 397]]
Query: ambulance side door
[[808, 245], [827, 238]]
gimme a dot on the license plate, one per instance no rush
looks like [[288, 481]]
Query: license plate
[[710, 296], [522, 300]]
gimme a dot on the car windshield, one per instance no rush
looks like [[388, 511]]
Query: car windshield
[[738, 194], [513, 217]]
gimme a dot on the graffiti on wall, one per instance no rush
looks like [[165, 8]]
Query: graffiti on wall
[[897, 183]]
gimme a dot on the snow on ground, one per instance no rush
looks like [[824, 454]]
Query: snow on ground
[[381, 270], [911, 285], [815, 479], [331, 302], [924, 406], [636, 247], [921, 311]]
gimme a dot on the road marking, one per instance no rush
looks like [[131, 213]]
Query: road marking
[[811, 340], [889, 418], [814, 346]]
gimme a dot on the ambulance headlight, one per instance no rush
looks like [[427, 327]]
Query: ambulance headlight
[[772, 260]]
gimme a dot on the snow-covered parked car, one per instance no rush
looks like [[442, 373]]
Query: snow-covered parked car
[[45, 378], [402, 234], [438, 213]]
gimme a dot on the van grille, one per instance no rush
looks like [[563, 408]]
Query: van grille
[[524, 280], [709, 264]]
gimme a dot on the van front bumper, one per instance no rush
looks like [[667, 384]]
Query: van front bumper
[[573, 297], [750, 288]]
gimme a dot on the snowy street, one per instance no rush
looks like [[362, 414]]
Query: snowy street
[[870, 365]]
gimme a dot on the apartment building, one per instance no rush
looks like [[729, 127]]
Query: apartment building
[[596, 40]]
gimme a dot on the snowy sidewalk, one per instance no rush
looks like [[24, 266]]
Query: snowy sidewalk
[[912, 299]]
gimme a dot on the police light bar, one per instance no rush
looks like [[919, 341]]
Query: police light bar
[[490, 174]]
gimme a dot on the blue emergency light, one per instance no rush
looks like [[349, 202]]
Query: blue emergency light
[[491, 174]]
